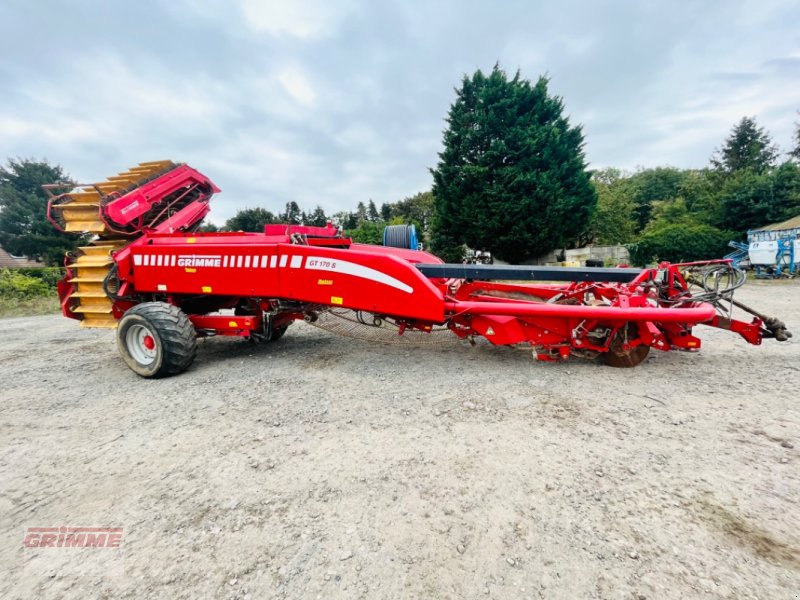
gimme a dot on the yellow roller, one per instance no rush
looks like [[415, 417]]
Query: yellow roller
[[79, 212], [90, 265]]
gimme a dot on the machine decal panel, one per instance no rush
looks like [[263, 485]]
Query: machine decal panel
[[320, 263], [208, 260], [190, 263]]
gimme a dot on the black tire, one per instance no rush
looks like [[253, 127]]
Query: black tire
[[172, 344], [273, 335], [277, 333]]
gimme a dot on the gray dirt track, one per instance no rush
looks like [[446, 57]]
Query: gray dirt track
[[326, 467]]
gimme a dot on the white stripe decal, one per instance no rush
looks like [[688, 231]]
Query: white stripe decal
[[296, 262], [238, 261], [159, 260], [146, 260], [283, 260], [246, 262], [320, 263], [172, 262], [263, 262], [137, 260], [273, 261], [225, 261]]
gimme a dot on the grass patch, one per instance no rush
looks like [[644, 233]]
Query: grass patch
[[27, 307]]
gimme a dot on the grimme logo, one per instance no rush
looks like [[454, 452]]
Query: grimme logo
[[199, 260], [73, 537], [130, 207]]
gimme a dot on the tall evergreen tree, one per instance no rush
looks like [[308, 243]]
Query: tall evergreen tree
[[512, 176], [317, 217], [292, 213], [372, 212], [747, 147], [795, 151], [24, 228], [361, 213]]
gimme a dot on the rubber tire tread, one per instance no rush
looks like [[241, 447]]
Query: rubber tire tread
[[175, 331]]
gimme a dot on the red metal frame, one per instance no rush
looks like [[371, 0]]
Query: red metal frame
[[227, 324], [291, 272]]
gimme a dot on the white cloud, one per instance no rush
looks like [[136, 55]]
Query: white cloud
[[62, 131], [111, 95], [295, 83], [332, 103], [303, 19]]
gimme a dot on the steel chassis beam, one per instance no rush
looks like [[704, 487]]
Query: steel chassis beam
[[527, 273]]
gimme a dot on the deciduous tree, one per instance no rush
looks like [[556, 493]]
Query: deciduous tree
[[250, 219], [651, 185], [613, 221]]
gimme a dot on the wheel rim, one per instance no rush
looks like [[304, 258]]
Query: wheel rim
[[625, 359], [141, 344]]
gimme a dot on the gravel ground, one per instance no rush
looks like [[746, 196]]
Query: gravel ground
[[326, 467]]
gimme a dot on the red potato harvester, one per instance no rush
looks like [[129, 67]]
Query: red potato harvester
[[162, 284]]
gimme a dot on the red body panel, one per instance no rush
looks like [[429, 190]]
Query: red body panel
[[261, 266], [128, 208]]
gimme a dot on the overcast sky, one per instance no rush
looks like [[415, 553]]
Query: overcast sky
[[332, 102]]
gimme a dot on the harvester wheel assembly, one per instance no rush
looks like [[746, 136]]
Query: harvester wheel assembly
[[624, 359], [156, 339]]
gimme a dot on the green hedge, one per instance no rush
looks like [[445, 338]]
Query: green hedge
[[681, 243], [23, 284], [49, 275]]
